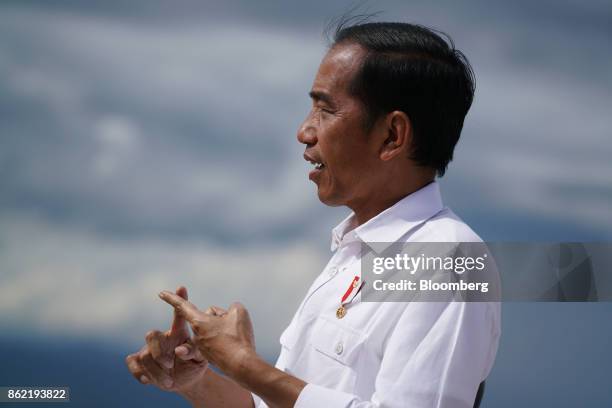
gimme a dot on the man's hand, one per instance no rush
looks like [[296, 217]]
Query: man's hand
[[169, 360], [225, 338]]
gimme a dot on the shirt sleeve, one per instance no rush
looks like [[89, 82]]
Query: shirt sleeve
[[258, 402], [436, 357]]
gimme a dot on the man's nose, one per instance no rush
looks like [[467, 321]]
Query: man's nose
[[307, 134]]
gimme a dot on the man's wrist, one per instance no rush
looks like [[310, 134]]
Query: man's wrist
[[192, 392], [248, 366], [274, 386]]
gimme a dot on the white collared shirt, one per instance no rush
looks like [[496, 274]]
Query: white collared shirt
[[389, 354]]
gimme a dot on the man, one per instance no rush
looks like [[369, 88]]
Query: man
[[389, 100]]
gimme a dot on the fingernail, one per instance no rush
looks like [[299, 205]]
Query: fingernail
[[144, 379]]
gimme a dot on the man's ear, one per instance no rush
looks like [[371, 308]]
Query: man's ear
[[398, 129]]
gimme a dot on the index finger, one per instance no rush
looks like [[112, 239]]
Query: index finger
[[179, 327], [182, 307]]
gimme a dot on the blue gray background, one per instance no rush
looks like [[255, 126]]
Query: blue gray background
[[147, 144]]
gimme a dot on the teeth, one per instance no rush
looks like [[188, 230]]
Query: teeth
[[317, 165]]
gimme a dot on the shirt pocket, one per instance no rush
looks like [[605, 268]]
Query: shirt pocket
[[337, 342]]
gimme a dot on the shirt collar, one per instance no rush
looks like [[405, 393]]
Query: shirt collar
[[394, 222]]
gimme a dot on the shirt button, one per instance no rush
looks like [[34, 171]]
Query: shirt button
[[339, 348], [333, 271]]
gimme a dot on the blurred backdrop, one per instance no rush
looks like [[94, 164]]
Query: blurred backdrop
[[148, 144]]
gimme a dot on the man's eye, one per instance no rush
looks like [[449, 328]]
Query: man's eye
[[325, 110]]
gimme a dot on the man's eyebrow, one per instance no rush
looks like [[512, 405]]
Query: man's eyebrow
[[321, 96]]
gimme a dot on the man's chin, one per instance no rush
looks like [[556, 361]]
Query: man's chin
[[327, 199]]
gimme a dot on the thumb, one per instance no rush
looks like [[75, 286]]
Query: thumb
[[179, 325], [188, 351]]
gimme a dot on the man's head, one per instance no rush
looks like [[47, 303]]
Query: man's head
[[389, 101]]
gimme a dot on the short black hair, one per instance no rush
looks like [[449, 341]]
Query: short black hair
[[413, 69]]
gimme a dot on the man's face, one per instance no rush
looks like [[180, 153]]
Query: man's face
[[334, 132]]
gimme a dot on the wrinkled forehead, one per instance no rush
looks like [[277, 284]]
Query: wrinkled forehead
[[338, 68]]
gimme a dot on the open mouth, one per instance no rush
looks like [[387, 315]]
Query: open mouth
[[317, 166]]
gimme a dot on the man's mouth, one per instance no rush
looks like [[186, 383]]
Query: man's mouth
[[317, 164]]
